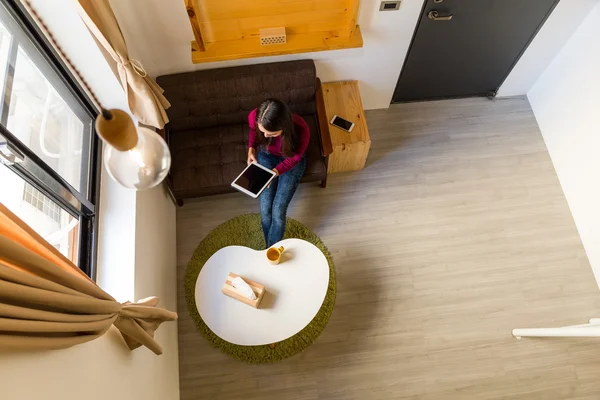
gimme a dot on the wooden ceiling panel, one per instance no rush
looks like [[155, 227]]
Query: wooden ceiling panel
[[225, 10], [220, 25], [297, 23]]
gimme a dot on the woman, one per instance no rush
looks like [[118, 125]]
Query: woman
[[280, 138]]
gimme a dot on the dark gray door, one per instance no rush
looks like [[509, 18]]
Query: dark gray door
[[467, 47]]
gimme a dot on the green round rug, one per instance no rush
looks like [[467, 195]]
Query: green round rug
[[246, 230]]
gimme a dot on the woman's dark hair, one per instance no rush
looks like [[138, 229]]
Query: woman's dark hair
[[275, 115]]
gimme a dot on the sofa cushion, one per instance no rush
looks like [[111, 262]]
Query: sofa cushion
[[206, 161], [225, 96]]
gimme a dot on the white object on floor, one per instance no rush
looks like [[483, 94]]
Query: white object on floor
[[591, 329], [244, 289], [295, 290]]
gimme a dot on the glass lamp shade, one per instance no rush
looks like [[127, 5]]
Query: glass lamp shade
[[142, 167]]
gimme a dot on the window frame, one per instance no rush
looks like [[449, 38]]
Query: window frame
[[82, 205]]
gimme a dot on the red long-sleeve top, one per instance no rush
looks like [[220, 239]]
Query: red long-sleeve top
[[275, 144]]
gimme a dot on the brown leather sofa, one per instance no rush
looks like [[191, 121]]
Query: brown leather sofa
[[208, 122]]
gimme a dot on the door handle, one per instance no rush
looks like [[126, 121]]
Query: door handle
[[434, 15]]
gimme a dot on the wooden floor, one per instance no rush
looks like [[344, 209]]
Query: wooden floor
[[456, 232]]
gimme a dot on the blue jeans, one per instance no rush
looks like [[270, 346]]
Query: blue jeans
[[275, 199]]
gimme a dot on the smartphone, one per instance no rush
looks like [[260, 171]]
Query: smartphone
[[342, 123]]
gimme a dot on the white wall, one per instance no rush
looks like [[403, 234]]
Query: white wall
[[156, 275], [566, 103], [136, 259], [553, 35], [158, 33], [98, 370]]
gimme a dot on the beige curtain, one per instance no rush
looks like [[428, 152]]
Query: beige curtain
[[144, 96], [46, 302]]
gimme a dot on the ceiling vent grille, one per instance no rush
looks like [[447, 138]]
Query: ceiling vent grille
[[271, 36]]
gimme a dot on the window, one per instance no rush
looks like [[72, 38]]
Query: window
[[48, 147]]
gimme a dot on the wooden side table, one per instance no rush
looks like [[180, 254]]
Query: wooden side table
[[350, 150]]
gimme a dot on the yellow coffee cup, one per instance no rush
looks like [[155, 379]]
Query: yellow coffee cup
[[274, 255]]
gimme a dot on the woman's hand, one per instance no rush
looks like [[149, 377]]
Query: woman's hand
[[252, 155]]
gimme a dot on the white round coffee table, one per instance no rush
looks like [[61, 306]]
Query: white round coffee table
[[295, 290]]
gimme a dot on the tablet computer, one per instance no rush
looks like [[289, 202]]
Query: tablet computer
[[253, 180]]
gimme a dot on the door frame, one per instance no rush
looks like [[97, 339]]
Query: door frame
[[489, 95]]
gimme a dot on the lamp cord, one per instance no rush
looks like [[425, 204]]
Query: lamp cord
[[38, 19]]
